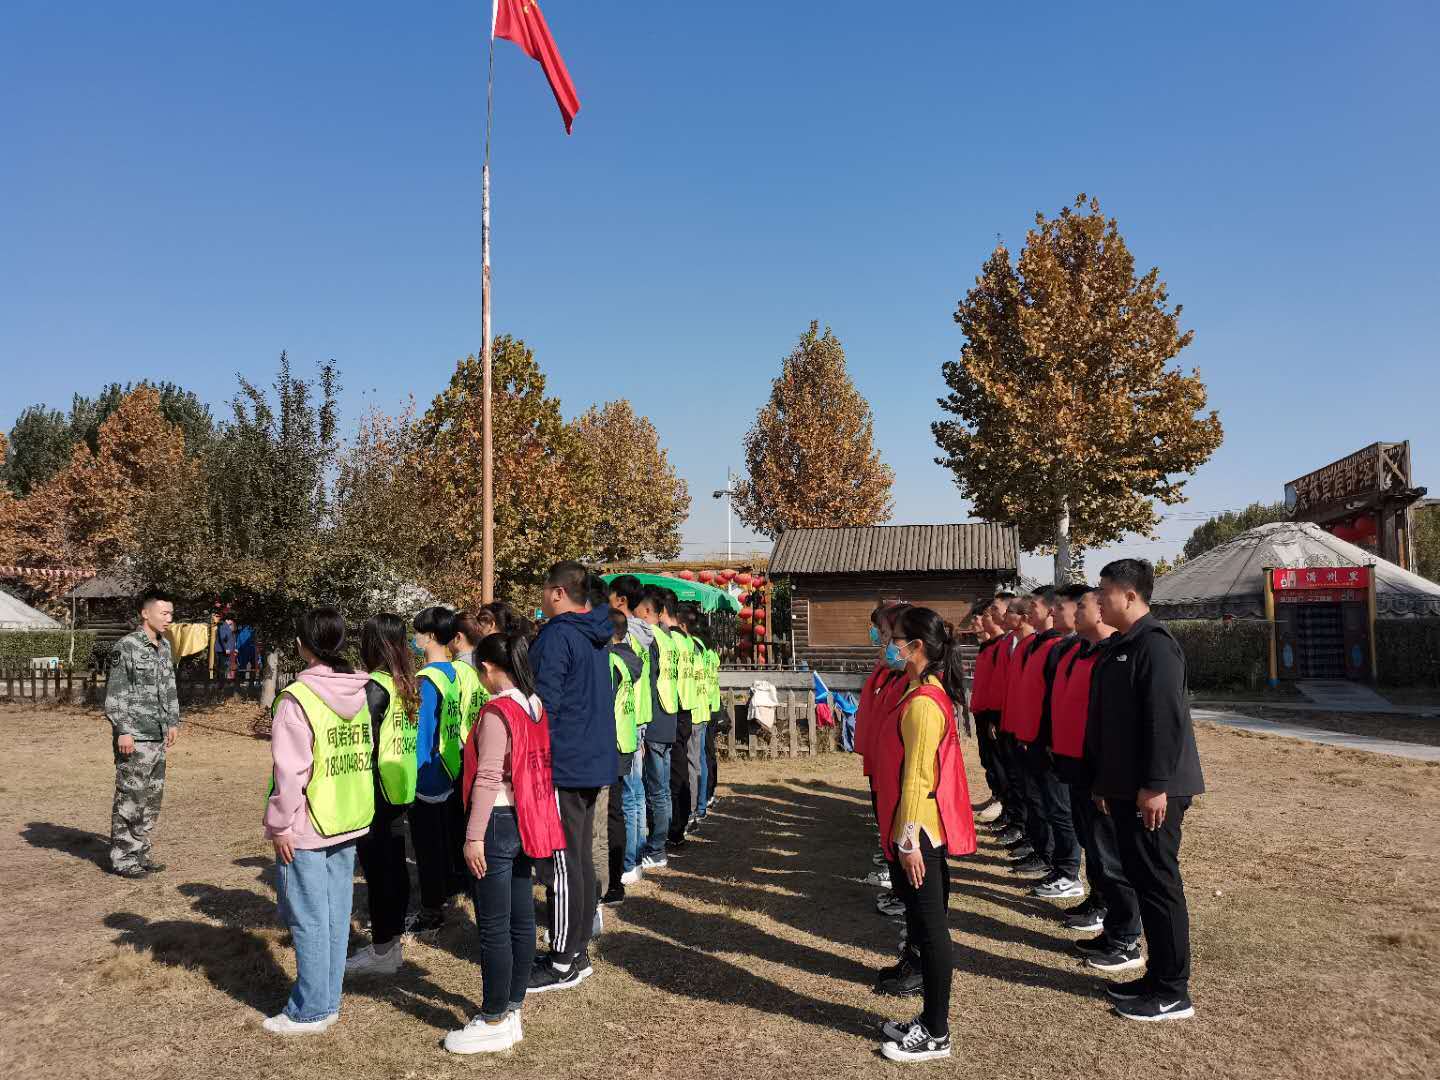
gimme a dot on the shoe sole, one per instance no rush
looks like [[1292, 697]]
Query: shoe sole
[[1058, 896], [366, 973], [495, 1049], [899, 993], [894, 1053], [1178, 1014], [1127, 965], [1116, 997], [568, 985]]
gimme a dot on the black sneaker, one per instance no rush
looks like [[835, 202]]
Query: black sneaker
[[428, 923], [1086, 918], [614, 895], [1155, 1007], [1010, 834], [131, 873], [583, 965], [692, 826], [917, 1044], [1128, 991], [894, 1030], [1032, 867], [1094, 945], [545, 976], [889, 905], [1121, 957], [675, 844], [902, 980]]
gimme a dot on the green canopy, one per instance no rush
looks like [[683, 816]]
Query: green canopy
[[707, 596]]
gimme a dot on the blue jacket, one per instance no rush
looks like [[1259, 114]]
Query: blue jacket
[[432, 781], [572, 677]]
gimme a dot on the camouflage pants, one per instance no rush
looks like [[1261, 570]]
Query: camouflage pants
[[139, 786]]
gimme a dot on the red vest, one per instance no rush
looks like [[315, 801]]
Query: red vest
[[535, 808], [1027, 690], [1070, 705], [952, 791], [882, 719], [1000, 675], [982, 682]]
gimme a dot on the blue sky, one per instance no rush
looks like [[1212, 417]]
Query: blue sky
[[187, 189]]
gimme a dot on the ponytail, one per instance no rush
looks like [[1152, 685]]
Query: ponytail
[[510, 652], [322, 631]]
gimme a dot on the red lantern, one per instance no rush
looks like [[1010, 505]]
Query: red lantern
[[687, 575], [744, 580], [759, 654], [747, 613], [707, 576], [726, 575], [759, 581]]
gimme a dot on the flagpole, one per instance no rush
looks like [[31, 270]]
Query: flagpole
[[487, 508]]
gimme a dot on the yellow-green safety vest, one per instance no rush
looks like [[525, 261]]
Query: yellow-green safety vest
[[626, 691], [340, 795], [712, 678], [667, 677], [689, 687], [452, 746], [395, 750], [644, 707], [473, 697]]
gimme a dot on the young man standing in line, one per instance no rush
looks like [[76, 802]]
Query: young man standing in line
[[144, 713], [623, 814], [572, 679], [657, 610], [1147, 770]]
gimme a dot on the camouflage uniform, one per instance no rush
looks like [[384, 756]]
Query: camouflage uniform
[[140, 701]]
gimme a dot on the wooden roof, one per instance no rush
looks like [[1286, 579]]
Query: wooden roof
[[897, 549]]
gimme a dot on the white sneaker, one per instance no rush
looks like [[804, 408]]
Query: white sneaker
[[989, 814], [515, 1028], [280, 1024], [632, 877], [369, 962], [479, 1037], [879, 878]]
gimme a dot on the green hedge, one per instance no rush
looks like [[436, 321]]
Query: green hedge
[[1221, 659], [24, 645], [1408, 651]]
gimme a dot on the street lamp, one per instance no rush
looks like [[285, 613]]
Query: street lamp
[[728, 494]]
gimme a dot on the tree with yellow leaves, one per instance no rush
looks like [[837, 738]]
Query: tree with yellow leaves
[[810, 455], [1070, 423]]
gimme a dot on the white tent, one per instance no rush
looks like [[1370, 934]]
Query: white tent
[[1230, 579], [16, 615]]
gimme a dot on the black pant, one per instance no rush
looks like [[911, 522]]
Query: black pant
[[927, 928], [990, 757], [680, 778], [458, 877], [1108, 884], [381, 852], [571, 891], [1007, 749], [1050, 800], [430, 837], [712, 756], [1152, 865], [615, 822]]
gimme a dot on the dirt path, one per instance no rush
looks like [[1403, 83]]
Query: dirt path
[[1314, 877]]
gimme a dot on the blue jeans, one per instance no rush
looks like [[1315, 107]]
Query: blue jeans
[[315, 891], [505, 917], [656, 772], [702, 792], [632, 801]]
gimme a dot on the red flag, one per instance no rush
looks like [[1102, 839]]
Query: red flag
[[520, 21]]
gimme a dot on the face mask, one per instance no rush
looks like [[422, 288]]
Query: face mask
[[415, 647], [874, 636], [894, 659]]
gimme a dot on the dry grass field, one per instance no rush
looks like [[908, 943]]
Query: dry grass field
[[1313, 874]]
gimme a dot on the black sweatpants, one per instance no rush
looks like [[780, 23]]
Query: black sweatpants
[[1050, 800], [1108, 885], [927, 930], [1152, 865], [381, 852], [570, 888], [990, 757], [430, 837], [680, 778], [615, 822], [457, 880]]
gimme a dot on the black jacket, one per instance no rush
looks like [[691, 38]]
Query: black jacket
[[1139, 733]]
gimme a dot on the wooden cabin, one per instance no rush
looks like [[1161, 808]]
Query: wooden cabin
[[838, 576]]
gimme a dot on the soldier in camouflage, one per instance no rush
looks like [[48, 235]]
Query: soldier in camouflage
[[144, 713]]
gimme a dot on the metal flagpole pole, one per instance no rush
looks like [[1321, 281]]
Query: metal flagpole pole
[[487, 508]]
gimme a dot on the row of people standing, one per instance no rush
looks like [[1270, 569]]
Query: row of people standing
[[495, 752]]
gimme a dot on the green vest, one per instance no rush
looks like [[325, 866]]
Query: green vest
[[644, 707], [687, 647], [712, 678], [473, 697], [667, 678], [626, 691], [395, 751], [340, 795], [452, 746]]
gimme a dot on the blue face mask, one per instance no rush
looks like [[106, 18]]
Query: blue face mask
[[874, 636], [894, 659], [415, 647]]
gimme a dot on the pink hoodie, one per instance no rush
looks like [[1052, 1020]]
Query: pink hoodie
[[286, 814]]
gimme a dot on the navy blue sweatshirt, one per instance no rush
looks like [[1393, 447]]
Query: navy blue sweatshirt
[[572, 678]]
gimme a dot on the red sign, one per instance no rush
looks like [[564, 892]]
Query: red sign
[[1320, 577]]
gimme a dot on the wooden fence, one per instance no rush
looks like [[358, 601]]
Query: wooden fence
[[795, 734]]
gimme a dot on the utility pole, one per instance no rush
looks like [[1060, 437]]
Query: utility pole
[[728, 493]]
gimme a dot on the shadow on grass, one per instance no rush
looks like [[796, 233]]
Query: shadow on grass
[[690, 973], [237, 962], [87, 846]]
